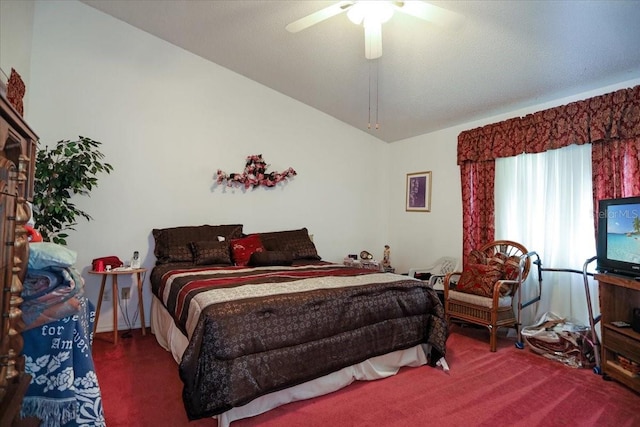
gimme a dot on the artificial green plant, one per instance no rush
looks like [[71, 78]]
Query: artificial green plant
[[69, 168]]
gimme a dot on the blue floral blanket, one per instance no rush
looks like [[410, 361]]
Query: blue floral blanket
[[64, 389]]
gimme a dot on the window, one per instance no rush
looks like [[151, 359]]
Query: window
[[545, 202]]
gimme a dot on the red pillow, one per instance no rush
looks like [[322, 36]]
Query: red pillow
[[477, 257], [243, 248], [479, 279], [512, 268]]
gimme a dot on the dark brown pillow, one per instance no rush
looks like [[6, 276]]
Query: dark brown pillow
[[173, 244], [211, 252], [267, 258], [181, 253], [297, 242]]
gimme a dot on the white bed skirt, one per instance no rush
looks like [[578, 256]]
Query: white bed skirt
[[172, 339]]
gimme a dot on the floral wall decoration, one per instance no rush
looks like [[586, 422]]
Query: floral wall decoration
[[254, 174]]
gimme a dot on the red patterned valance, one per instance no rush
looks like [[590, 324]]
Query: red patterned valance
[[615, 115]]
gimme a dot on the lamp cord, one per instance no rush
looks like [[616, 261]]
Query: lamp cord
[[125, 310]]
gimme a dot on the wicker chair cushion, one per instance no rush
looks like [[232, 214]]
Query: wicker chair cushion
[[478, 300]]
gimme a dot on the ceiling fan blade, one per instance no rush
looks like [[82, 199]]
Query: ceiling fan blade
[[319, 16], [373, 41], [431, 13]]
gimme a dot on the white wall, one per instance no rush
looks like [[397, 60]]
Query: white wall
[[168, 120], [16, 29], [418, 239]]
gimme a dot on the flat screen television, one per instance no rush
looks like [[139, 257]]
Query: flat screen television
[[618, 244]]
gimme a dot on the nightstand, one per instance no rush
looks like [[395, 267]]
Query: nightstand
[[135, 272]]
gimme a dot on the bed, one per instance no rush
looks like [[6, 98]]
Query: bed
[[256, 321]]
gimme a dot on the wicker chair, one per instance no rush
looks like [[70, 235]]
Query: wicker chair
[[497, 310]]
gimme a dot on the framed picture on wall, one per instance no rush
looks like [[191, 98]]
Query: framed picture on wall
[[418, 192]]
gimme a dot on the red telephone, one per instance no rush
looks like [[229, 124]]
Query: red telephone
[[100, 264], [33, 235]]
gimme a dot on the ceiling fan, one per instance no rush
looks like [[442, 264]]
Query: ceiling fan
[[372, 14]]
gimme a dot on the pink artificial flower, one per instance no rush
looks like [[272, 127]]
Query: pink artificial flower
[[255, 174]]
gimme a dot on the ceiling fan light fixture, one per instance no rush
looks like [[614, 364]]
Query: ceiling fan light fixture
[[373, 41], [370, 12]]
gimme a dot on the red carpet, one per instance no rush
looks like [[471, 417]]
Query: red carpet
[[140, 387]]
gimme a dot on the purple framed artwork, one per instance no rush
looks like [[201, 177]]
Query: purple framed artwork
[[418, 192]]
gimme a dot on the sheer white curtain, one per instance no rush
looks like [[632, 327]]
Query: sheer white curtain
[[544, 201]]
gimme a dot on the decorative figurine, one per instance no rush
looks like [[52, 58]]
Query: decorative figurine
[[386, 258]]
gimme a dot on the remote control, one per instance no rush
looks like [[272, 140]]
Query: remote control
[[620, 324]]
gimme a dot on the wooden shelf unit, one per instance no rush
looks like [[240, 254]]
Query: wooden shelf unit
[[17, 172], [618, 297]]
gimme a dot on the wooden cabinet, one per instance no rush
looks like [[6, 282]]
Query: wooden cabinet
[[620, 345], [17, 157]]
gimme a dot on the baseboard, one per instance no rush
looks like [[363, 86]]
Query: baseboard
[[121, 327]]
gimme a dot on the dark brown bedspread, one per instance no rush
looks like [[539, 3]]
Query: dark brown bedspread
[[289, 325]]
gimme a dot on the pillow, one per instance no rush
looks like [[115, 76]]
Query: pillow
[[209, 253], [297, 242], [244, 247], [181, 253], [479, 279], [512, 268], [267, 258], [477, 257], [47, 254], [173, 244], [498, 259]]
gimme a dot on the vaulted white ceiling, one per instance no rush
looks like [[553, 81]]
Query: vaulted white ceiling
[[506, 55]]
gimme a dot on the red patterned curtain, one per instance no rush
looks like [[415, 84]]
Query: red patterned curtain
[[610, 122], [615, 166], [615, 149], [477, 219]]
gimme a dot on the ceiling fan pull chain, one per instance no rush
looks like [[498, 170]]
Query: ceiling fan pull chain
[[369, 124], [377, 97]]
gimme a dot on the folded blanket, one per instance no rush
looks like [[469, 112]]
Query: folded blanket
[[64, 389], [50, 294], [39, 282]]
